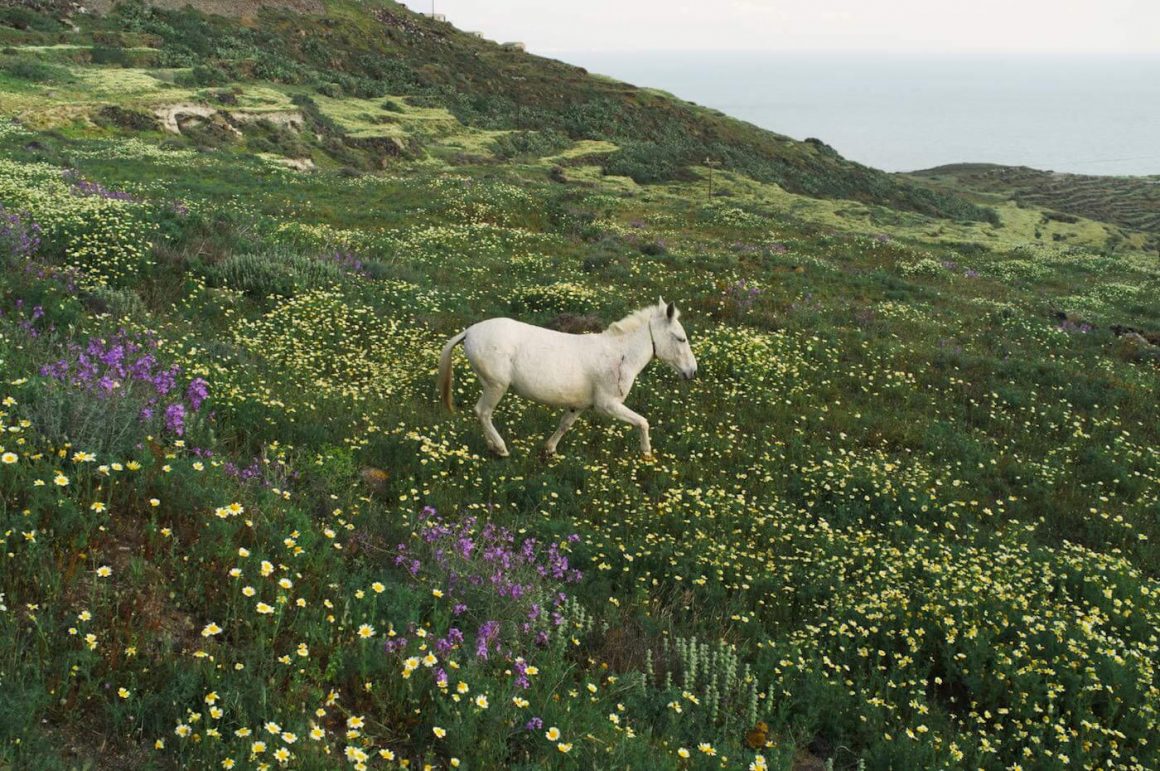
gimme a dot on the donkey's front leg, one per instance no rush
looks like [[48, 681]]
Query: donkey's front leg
[[618, 410]]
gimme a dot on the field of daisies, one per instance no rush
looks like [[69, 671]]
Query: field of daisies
[[907, 516]]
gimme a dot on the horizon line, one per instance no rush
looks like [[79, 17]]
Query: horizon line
[[1143, 54]]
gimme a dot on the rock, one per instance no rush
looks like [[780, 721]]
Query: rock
[[288, 119], [375, 478], [1135, 347], [298, 164], [174, 115]]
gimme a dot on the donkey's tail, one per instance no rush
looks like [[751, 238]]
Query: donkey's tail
[[445, 370]]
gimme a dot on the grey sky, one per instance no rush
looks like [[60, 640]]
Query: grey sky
[[1058, 26]]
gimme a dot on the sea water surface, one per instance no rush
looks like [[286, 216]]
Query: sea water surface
[[1089, 114]]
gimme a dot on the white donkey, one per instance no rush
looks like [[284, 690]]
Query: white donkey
[[570, 371]]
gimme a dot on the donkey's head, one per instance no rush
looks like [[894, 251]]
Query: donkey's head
[[670, 341]]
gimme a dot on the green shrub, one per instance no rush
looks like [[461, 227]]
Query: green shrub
[[273, 273], [118, 303], [109, 54], [35, 71], [28, 20], [529, 143], [112, 116], [648, 162], [265, 137]]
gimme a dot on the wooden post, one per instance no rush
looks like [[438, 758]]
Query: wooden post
[[711, 165]]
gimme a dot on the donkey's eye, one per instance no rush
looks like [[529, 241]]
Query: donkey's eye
[[681, 339]]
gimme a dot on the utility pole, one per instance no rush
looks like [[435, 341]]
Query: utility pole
[[711, 165]]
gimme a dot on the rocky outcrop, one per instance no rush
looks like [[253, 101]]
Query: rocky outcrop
[[172, 116], [288, 119]]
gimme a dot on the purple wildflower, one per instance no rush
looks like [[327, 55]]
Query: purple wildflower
[[487, 633], [196, 392], [175, 418], [18, 237]]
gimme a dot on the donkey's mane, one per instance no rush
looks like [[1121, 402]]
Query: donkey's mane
[[632, 322]]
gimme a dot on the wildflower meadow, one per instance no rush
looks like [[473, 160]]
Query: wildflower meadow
[[906, 516]]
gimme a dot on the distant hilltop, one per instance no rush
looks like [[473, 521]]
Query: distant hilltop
[[234, 8]]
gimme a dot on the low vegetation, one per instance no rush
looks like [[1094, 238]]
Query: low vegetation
[[905, 517]]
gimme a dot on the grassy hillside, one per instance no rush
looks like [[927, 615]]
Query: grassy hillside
[[1133, 203], [373, 50], [907, 516]]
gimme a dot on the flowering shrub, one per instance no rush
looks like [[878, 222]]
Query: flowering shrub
[[349, 262], [740, 296], [927, 266], [104, 235], [85, 187], [509, 591], [559, 297], [19, 237], [106, 394]]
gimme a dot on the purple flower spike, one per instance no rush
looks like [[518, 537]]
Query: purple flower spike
[[196, 392], [175, 418]]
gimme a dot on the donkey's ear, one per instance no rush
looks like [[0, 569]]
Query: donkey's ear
[[660, 300], [672, 312]]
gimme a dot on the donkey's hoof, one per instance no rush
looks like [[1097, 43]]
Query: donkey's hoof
[[648, 457], [500, 452]]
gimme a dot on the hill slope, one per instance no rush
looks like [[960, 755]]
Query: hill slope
[[1131, 202], [905, 517], [372, 50]]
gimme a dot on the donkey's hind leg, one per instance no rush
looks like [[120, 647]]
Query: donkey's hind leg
[[492, 393], [565, 423]]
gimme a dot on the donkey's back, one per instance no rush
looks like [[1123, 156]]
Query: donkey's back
[[555, 368]]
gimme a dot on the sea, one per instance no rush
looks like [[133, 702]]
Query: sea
[[1084, 114]]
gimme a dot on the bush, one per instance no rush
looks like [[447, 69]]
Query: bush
[[35, 71], [19, 236], [648, 162], [927, 266], [118, 303], [29, 20], [104, 395], [204, 75], [272, 273], [529, 143], [112, 116], [266, 137], [109, 54], [561, 297]]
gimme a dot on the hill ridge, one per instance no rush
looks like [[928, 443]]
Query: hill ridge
[[375, 49]]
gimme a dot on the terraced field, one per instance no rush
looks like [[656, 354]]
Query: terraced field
[[1130, 202]]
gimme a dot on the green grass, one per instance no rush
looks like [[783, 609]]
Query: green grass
[[905, 517]]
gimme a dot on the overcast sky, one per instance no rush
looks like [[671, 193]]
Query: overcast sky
[[903, 26]]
